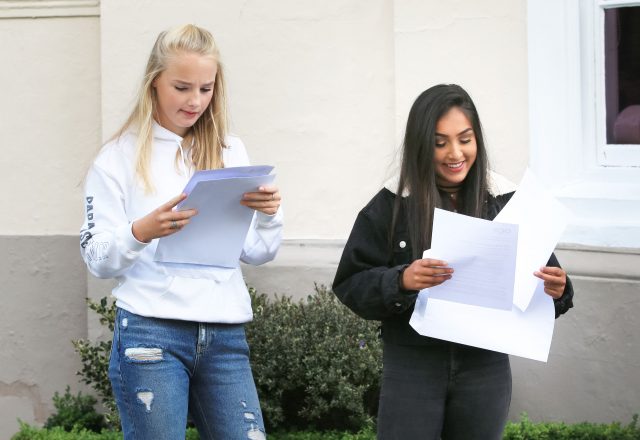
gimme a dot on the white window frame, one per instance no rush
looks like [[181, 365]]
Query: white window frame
[[600, 183], [593, 24]]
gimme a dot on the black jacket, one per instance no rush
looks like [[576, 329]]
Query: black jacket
[[367, 276]]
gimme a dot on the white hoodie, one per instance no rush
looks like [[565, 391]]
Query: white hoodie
[[114, 199]]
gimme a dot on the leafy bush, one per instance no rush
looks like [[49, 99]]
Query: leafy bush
[[527, 430], [95, 360], [28, 432], [315, 363], [32, 433], [364, 434], [75, 412], [523, 430]]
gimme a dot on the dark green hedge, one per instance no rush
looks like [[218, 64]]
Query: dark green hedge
[[316, 364], [527, 430], [316, 367], [523, 430]]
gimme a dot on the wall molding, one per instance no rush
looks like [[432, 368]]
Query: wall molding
[[49, 8]]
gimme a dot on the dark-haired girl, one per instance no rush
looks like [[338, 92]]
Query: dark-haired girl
[[431, 388]]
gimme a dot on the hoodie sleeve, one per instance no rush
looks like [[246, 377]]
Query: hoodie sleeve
[[265, 233], [107, 244], [263, 238]]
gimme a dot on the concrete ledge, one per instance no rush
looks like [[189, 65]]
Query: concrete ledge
[[49, 8], [608, 263], [299, 264]]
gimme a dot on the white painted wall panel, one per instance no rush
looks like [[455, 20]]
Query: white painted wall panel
[[310, 87], [49, 122]]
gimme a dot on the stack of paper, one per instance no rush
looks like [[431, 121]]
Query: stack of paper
[[215, 236]]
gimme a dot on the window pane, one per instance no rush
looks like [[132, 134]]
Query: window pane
[[622, 74]]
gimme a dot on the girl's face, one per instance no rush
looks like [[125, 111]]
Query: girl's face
[[455, 149], [184, 90]]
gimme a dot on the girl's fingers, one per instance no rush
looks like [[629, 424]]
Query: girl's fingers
[[173, 202], [183, 215], [550, 273], [266, 200], [431, 262], [555, 279], [266, 192]]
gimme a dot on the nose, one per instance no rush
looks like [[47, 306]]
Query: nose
[[455, 151], [194, 99]]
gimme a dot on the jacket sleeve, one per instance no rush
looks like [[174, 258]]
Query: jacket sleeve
[[565, 302], [107, 244], [365, 281], [263, 238]]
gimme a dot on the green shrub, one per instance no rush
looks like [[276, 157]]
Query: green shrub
[[95, 360], [328, 362], [523, 430], [316, 364], [28, 432], [31, 433], [527, 430], [364, 434], [75, 412]]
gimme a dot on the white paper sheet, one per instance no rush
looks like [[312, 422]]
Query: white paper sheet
[[525, 330], [215, 236], [542, 220], [482, 254], [525, 334]]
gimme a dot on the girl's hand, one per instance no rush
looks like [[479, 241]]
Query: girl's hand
[[266, 199], [555, 278], [162, 221], [425, 273]]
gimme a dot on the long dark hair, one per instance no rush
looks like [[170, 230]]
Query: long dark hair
[[417, 172]]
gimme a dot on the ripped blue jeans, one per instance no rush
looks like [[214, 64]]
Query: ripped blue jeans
[[161, 370]]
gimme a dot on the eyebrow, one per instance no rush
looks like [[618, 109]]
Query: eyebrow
[[459, 134], [186, 83]]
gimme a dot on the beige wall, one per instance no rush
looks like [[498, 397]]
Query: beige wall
[[50, 122], [311, 91], [480, 45], [49, 129], [319, 89], [322, 90]]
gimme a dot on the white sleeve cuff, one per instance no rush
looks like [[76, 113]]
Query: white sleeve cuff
[[128, 241], [269, 221]]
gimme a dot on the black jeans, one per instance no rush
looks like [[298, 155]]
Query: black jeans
[[447, 391]]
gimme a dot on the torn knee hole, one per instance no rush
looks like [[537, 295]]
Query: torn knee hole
[[143, 354], [146, 398], [256, 434], [249, 416]]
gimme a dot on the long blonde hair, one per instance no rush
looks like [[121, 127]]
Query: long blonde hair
[[206, 137]]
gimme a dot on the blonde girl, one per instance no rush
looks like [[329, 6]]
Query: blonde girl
[[179, 346]]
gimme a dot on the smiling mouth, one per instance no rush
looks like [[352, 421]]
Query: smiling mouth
[[455, 166]]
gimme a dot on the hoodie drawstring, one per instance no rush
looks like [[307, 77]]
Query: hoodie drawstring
[[182, 161]]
